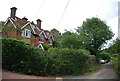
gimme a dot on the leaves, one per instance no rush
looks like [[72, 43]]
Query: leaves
[[96, 32]]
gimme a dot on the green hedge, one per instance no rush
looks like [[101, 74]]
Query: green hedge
[[104, 56], [19, 57], [116, 65]]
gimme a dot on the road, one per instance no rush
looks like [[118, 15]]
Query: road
[[106, 72]]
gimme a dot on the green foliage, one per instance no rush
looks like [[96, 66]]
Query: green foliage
[[115, 53], [56, 44], [71, 40], [116, 65], [85, 51], [115, 48], [45, 46], [19, 57], [67, 61], [104, 55], [95, 32]]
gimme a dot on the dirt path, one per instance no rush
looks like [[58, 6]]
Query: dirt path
[[10, 75], [106, 72]]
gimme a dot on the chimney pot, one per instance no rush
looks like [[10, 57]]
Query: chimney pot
[[39, 23], [13, 12]]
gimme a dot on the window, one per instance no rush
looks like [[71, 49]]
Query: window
[[47, 33], [42, 38], [50, 41], [26, 33]]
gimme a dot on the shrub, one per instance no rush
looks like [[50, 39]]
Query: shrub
[[104, 56], [45, 46], [116, 65], [69, 61], [86, 52], [19, 57]]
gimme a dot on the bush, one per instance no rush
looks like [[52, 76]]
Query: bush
[[86, 52], [116, 65], [68, 61], [45, 46], [104, 56], [19, 57]]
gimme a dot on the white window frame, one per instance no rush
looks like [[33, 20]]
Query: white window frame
[[26, 33], [50, 41]]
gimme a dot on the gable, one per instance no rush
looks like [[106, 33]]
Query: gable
[[43, 33], [8, 21]]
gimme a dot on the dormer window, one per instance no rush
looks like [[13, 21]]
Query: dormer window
[[47, 33], [26, 33], [41, 38], [50, 41]]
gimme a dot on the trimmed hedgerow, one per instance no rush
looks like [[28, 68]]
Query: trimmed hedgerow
[[116, 65], [66, 61], [22, 58], [19, 57]]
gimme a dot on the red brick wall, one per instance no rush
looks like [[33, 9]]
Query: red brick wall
[[9, 34], [34, 39]]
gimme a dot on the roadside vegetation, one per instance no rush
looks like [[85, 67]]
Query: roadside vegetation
[[72, 53], [19, 57], [114, 51]]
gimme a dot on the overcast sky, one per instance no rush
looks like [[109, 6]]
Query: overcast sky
[[51, 11]]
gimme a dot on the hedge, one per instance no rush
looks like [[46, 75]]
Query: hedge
[[104, 55], [22, 58], [116, 65]]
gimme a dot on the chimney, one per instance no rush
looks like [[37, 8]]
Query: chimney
[[13, 12], [24, 18], [39, 23]]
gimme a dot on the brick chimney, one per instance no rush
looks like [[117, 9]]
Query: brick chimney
[[13, 12], [39, 23]]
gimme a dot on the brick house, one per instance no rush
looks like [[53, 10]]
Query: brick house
[[23, 29]]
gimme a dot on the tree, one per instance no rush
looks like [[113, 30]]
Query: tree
[[95, 32], [115, 48], [71, 40], [1, 25]]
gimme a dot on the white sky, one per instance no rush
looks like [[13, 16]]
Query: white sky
[[50, 12]]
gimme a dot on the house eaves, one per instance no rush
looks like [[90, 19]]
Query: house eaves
[[9, 19]]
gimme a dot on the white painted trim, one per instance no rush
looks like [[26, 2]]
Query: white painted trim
[[43, 33], [38, 28], [24, 33], [40, 46], [52, 37], [25, 25], [6, 21], [12, 23], [32, 28], [13, 19], [40, 33]]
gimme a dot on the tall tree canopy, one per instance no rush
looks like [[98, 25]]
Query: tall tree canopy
[[96, 32], [115, 48]]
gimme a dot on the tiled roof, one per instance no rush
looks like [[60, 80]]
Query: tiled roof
[[19, 22], [37, 31]]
